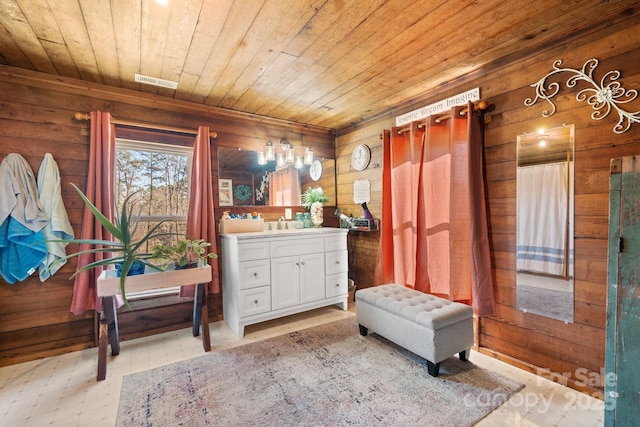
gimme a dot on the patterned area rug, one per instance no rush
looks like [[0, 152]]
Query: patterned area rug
[[323, 376]]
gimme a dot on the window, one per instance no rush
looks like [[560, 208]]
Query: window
[[159, 176]]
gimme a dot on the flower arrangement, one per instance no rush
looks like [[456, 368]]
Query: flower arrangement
[[313, 199], [313, 195]]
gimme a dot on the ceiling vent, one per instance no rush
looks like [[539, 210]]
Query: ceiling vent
[[154, 81]]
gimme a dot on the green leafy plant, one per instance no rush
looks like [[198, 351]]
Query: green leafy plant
[[313, 195], [123, 249], [184, 252]]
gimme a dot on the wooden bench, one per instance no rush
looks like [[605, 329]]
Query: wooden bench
[[431, 327]]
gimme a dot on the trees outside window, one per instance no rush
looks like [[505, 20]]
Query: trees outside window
[[159, 175]]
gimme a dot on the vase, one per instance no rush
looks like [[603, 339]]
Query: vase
[[317, 215]]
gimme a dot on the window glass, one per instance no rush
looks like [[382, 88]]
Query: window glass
[[158, 176]]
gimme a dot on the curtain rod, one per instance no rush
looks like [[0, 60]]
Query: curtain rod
[[481, 105], [86, 116]]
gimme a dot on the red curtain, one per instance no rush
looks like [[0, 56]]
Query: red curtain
[[384, 262], [434, 210], [200, 220], [99, 190]]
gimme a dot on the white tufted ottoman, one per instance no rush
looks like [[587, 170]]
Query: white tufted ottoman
[[431, 327]]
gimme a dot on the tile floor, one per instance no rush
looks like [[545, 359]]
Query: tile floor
[[63, 391]]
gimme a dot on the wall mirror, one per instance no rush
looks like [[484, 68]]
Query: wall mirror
[[249, 182], [544, 223]]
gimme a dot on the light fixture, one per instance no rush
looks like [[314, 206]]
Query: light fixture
[[308, 156], [288, 155], [285, 144], [271, 151], [262, 158]]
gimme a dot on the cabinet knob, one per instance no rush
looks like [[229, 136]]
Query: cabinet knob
[[337, 261], [302, 263], [337, 285], [255, 302], [255, 275], [298, 264]]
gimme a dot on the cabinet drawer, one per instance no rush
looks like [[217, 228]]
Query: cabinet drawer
[[335, 243], [254, 273], [336, 262], [248, 251], [289, 247], [255, 301], [336, 284]]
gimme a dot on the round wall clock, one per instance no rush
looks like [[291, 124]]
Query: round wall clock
[[361, 157], [315, 170]]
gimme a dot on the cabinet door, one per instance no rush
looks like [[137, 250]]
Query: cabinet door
[[285, 282], [312, 278]]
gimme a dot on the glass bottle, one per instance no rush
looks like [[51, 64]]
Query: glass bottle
[[299, 220], [307, 220]]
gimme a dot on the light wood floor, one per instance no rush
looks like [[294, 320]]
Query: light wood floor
[[63, 391]]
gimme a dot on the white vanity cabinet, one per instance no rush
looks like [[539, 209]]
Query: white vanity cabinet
[[274, 274]]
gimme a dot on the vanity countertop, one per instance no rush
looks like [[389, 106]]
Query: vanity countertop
[[285, 233]]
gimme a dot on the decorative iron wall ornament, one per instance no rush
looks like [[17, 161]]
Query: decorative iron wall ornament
[[608, 95]]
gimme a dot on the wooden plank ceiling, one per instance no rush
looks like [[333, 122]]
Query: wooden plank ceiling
[[328, 63]]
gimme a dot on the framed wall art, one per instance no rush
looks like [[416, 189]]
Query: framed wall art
[[225, 192]]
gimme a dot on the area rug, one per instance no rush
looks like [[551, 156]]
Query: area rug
[[323, 376]]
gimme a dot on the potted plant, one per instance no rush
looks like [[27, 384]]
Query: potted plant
[[313, 199], [185, 253], [125, 251]]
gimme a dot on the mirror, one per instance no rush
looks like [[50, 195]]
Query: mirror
[[248, 182], [544, 223]]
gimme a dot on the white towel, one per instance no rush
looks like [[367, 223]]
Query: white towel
[[59, 226], [18, 194]]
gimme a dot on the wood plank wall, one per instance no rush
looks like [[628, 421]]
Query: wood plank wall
[[527, 340], [36, 117]]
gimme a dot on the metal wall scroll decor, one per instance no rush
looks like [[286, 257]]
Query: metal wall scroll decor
[[608, 95]]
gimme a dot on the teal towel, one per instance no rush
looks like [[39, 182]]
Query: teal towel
[[21, 250]]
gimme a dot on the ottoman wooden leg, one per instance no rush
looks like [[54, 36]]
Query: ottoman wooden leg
[[363, 331], [434, 368], [464, 355]]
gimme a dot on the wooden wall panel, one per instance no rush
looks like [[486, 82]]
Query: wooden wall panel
[[36, 117], [526, 339]]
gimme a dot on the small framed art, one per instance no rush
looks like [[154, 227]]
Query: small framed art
[[225, 192]]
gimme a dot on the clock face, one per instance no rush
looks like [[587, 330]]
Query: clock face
[[361, 157], [315, 170]]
